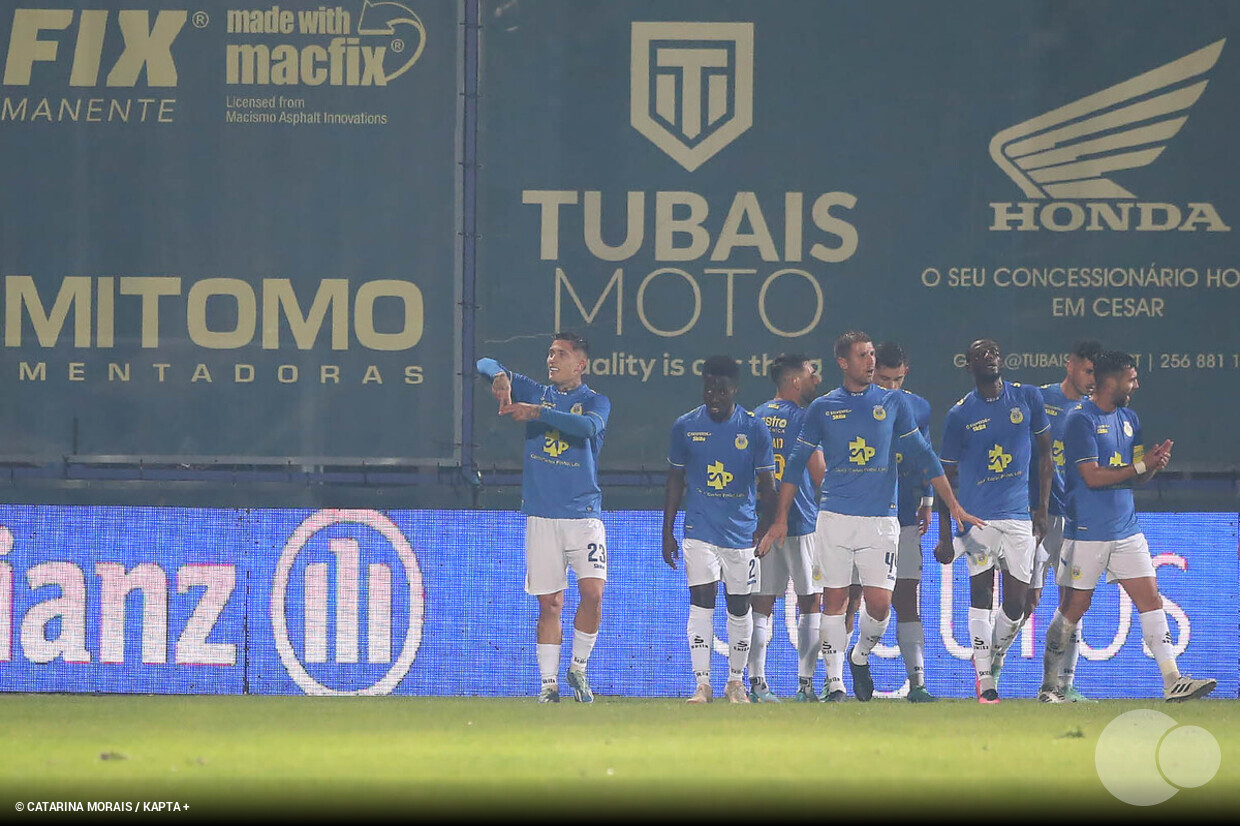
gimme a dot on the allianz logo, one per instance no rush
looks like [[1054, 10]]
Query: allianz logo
[[1063, 160], [336, 616]]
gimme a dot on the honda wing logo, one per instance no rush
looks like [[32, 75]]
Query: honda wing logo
[[692, 86], [1070, 151]]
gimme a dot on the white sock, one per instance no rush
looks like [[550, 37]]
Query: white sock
[[757, 646], [701, 632], [583, 644], [807, 645], [834, 635], [1157, 637], [1004, 633], [1067, 668], [1058, 637], [548, 662], [870, 634], [912, 641], [981, 628], [740, 630]]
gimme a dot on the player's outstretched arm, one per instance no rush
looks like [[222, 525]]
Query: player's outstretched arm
[[672, 495], [958, 513]]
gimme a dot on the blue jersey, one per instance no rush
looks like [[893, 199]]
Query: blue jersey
[[1112, 440], [990, 441], [721, 461], [1058, 406], [913, 482], [560, 463], [860, 433], [784, 419]]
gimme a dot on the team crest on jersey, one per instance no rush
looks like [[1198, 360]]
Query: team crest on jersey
[[1128, 429], [1076, 571], [576, 409], [742, 441], [880, 412], [1017, 415]]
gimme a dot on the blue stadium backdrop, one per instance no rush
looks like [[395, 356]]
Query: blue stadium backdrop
[[168, 600]]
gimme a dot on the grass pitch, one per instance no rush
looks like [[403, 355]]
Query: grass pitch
[[403, 757]]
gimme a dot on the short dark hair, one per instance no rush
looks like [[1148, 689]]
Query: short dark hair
[[576, 339], [843, 344], [722, 366], [1111, 362], [784, 364], [890, 354], [1087, 350]]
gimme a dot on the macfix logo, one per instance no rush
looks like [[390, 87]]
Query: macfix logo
[[38, 34], [692, 86], [1063, 159], [386, 41]]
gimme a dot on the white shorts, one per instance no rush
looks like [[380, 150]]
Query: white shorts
[[1006, 541], [908, 554], [552, 546], [867, 542], [1082, 562], [792, 558], [1047, 558], [706, 563]]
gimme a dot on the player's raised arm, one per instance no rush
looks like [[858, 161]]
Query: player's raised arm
[[501, 385]]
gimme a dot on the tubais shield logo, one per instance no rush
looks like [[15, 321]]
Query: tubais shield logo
[[345, 583], [691, 88]]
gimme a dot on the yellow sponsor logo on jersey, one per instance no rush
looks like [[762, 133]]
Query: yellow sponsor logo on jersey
[[1102, 428], [999, 460], [1057, 452], [553, 445], [859, 453], [1116, 460], [742, 441], [978, 426], [717, 477], [1017, 415]]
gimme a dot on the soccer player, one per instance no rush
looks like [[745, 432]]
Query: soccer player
[[914, 502], [1105, 457], [565, 423], [717, 454], [859, 426], [796, 382], [987, 441], [1061, 399]]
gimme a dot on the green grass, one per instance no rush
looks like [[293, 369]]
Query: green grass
[[345, 757]]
